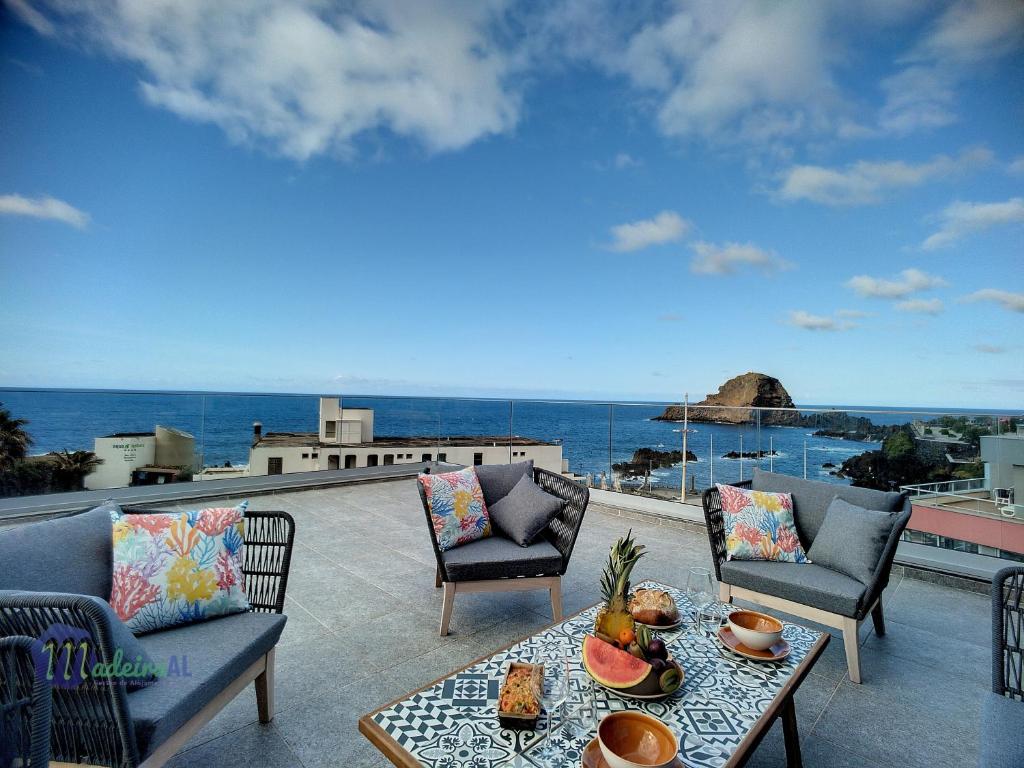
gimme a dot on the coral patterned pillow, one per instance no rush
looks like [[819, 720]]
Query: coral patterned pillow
[[759, 526], [457, 508], [178, 567]]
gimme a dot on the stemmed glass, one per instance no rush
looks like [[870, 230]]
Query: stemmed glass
[[554, 689], [700, 593]]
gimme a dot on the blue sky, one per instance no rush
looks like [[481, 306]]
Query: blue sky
[[572, 199]]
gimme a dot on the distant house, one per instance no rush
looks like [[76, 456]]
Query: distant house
[[346, 441], [141, 458]]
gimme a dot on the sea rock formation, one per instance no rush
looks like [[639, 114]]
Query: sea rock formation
[[734, 400]]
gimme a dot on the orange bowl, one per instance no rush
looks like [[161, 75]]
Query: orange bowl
[[631, 739], [757, 631]]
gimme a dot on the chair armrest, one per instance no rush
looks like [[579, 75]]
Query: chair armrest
[[269, 539], [1007, 656], [565, 527], [25, 701], [711, 500], [880, 579], [91, 721], [430, 528]]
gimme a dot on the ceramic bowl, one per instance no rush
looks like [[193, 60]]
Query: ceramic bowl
[[757, 631], [634, 740]]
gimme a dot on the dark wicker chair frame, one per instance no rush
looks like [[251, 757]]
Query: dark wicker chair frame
[[24, 706], [850, 626], [1008, 633], [562, 532], [91, 723]]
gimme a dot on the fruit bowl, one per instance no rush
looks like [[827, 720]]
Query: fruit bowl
[[626, 674]]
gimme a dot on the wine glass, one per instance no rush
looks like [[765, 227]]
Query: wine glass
[[699, 591], [581, 706], [553, 689]]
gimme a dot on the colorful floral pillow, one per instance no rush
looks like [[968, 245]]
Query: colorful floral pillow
[[457, 507], [759, 526], [178, 567]]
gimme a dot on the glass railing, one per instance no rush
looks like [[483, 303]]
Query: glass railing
[[100, 440]]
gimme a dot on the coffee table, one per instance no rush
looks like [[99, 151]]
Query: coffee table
[[725, 707]]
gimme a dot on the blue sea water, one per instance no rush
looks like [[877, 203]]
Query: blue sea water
[[593, 435]]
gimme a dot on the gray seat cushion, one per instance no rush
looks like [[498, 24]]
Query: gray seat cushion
[[811, 499], [71, 554], [497, 480], [851, 539], [525, 511], [1002, 732], [804, 583], [497, 558], [217, 651]]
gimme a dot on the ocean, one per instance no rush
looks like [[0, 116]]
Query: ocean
[[222, 426]]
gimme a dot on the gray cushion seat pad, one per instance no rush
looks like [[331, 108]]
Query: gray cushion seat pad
[[218, 651], [1002, 732], [811, 499], [497, 557], [804, 583], [71, 554]]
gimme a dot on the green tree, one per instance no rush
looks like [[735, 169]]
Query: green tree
[[14, 440], [898, 446], [71, 467]]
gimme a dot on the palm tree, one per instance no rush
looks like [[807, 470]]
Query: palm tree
[[71, 467], [14, 440]]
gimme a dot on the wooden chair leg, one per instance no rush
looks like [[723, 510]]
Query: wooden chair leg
[[851, 642], [556, 600], [789, 733], [265, 690], [437, 577], [724, 593], [878, 618], [446, 608]]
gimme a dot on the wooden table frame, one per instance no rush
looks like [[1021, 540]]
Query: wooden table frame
[[781, 706]]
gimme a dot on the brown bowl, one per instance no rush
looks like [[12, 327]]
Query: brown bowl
[[631, 739], [757, 631]]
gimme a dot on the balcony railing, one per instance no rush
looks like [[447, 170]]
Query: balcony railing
[[634, 448]]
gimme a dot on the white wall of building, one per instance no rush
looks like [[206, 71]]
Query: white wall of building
[[312, 458], [120, 456]]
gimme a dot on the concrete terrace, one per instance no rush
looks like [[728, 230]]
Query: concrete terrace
[[362, 630]]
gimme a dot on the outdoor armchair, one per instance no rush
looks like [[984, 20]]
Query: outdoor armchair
[[24, 705], [98, 723], [498, 564], [809, 590]]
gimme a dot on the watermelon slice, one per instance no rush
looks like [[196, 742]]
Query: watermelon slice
[[613, 667]]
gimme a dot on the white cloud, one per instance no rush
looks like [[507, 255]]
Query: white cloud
[[31, 16], [670, 317], [666, 227], [921, 306], [989, 349], [909, 281], [1011, 301], [809, 322], [968, 33], [865, 182], [960, 219], [305, 78], [1016, 165], [624, 160], [45, 207], [728, 258]]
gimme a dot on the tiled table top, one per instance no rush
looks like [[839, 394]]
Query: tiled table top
[[452, 723]]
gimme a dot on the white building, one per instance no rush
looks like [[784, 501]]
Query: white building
[[141, 458], [346, 441], [1004, 467]]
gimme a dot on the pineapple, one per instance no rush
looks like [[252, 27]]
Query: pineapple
[[614, 616]]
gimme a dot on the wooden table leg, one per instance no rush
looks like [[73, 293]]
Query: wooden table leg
[[789, 732]]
